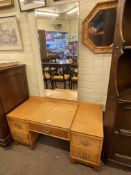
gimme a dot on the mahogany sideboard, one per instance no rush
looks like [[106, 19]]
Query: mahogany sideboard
[[13, 91], [79, 123]]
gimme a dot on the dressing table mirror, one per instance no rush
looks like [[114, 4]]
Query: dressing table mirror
[[58, 40], [99, 26]]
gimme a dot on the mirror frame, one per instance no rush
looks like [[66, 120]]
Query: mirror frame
[[85, 38]]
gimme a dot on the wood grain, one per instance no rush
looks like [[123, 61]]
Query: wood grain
[[88, 120]]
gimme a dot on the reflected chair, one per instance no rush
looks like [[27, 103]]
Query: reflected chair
[[74, 75], [74, 80], [62, 75], [47, 75]]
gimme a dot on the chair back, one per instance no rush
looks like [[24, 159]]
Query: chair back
[[46, 70], [74, 69]]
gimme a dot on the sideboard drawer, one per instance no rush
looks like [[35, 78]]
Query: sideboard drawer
[[86, 141], [83, 154], [49, 130], [20, 137], [17, 125]]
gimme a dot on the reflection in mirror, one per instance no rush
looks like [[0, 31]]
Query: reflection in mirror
[[101, 27], [58, 39]]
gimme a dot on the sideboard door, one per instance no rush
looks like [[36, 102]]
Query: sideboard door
[[13, 89]]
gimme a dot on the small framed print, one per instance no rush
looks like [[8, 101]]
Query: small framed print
[[9, 34], [6, 3], [28, 5]]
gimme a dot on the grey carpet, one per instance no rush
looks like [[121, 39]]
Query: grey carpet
[[50, 157]]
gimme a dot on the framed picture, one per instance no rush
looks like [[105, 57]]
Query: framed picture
[[9, 34], [6, 3], [28, 5]]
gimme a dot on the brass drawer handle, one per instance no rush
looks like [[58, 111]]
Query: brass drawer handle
[[84, 143], [46, 131], [84, 155]]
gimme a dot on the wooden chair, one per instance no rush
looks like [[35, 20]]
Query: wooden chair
[[47, 73], [74, 80], [74, 75], [62, 75]]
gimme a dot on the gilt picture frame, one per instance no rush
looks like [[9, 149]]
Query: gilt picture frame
[[100, 41], [29, 5], [10, 38], [6, 3]]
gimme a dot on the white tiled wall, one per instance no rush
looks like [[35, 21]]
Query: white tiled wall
[[93, 68], [27, 55]]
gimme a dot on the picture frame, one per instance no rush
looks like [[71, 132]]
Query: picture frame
[[96, 34], [6, 3], [10, 38], [29, 5]]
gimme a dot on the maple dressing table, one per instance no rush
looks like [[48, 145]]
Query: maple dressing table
[[79, 123]]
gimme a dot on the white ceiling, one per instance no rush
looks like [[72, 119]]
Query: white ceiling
[[63, 8]]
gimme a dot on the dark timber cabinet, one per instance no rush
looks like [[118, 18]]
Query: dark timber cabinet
[[13, 91], [117, 118]]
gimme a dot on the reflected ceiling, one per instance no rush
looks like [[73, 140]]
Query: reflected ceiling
[[62, 10]]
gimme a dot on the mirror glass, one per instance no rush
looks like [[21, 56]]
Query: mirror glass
[[101, 27], [58, 42]]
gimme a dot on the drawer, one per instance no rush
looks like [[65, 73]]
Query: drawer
[[89, 142], [17, 125], [49, 130], [22, 138], [85, 155]]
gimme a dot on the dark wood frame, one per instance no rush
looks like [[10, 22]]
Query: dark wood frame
[[3, 5], [85, 38], [31, 8], [17, 31]]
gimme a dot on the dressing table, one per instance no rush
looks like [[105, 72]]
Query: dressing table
[[79, 123]]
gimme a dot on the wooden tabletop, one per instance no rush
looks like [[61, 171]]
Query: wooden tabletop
[[58, 113], [88, 119], [80, 117], [54, 114], [27, 108]]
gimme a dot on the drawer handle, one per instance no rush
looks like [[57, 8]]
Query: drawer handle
[[84, 143], [46, 131], [84, 155]]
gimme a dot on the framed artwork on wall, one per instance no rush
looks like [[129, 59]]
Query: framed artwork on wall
[[99, 26], [9, 34], [6, 3], [28, 5]]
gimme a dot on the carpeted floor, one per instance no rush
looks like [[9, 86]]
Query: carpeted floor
[[50, 157]]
